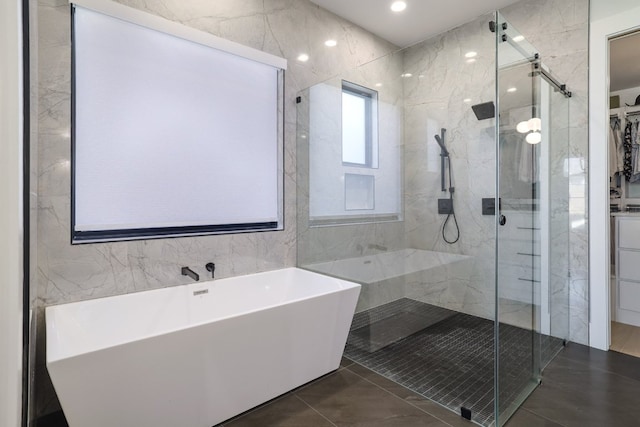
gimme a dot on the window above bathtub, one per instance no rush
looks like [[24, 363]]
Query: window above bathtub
[[175, 132]]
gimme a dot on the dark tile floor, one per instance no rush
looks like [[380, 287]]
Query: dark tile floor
[[581, 387]]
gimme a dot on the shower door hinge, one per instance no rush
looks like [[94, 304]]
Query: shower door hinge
[[465, 413], [492, 26]]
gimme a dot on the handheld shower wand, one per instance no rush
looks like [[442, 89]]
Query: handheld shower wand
[[444, 154], [444, 160]]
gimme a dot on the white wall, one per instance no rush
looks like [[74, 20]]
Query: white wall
[[608, 19], [601, 9], [10, 215]]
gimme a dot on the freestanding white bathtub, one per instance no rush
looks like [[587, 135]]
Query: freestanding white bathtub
[[198, 354]]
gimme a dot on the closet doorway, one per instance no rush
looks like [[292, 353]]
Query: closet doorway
[[624, 192]]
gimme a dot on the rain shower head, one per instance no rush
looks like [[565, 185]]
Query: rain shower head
[[486, 110]]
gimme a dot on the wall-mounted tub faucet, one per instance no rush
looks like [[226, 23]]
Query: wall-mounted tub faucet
[[212, 268], [186, 271]]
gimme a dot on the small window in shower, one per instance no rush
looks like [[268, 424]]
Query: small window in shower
[[359, 126]]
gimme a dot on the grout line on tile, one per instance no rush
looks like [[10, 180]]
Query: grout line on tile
[[591, 367], [282, 396], [522, 408], [252, 410], [400, 398], [315, 410]]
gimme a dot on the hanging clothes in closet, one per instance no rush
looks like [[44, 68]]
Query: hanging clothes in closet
[[635, 140], [616, 150], [631, 164], [628, 152]]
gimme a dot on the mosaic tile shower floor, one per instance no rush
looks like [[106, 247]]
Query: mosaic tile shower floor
[[444, 355]]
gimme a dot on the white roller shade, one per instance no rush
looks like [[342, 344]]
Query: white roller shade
[[169, 132]]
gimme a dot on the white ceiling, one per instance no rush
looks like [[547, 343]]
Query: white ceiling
[[624, 60], [419, 21]]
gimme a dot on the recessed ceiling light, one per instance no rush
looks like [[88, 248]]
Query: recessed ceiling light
[[303, 57], [398, 6], [471, 60], [471, 54], [378, 84], [466, 100], [330, 43], [407, 75], [512, 89], [518, 38]]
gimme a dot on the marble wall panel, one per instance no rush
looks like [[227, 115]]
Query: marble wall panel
[[443, 86], [435, 99]]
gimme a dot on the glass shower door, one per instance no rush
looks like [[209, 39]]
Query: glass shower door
[[532, 292], [518, 269]]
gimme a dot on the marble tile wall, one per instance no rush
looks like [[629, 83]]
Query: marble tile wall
[[69, 273], [443, 86], [436, 99]]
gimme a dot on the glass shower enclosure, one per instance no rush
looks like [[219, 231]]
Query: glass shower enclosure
[[460, 244]]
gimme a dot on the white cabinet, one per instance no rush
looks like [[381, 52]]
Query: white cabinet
[[628, 268]]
